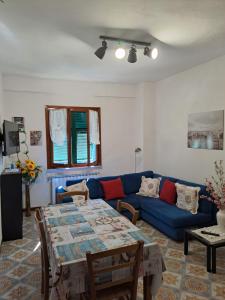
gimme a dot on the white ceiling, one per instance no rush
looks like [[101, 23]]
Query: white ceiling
[[58, 38]]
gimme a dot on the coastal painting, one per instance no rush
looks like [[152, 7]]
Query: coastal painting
[[206, 130]]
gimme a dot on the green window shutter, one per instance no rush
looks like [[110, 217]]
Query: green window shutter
[[60, 153], [79, 137]]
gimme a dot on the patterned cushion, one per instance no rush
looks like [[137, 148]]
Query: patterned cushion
[[187, 197], [149, 187], [81, 186]]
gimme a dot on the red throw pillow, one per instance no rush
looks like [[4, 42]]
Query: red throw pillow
[[113, 189], [168, 192]]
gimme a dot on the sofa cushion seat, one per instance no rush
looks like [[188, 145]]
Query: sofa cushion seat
[[132, 199], [172, 215]]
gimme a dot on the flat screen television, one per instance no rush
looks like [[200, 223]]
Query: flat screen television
[[11, 141]]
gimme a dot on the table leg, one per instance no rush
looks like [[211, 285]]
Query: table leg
[[185, 243], [209, 259], [147, 282], [214, 259]]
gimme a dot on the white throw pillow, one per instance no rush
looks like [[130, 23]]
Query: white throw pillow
[[187, 197], [149, 187], [81, 186]]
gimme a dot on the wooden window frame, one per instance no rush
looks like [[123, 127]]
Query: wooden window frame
[[49, 144]]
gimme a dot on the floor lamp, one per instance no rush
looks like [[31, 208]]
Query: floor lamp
[[137, 150]]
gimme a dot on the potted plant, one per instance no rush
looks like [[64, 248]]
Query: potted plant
[[215, 186]]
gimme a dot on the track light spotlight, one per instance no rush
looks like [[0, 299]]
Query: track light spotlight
[[100, 52], [132, 57], [153, 53], [120, 53], [147, 51]]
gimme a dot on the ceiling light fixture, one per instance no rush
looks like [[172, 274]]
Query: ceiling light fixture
[[100, 52], [120, 52], [132, 57], [154, 53]]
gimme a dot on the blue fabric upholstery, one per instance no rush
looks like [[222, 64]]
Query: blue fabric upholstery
[[176, 234], [163, 179], [67, 200], [172, 215], [132, 199], [60, 189], [75, 181], [169, 219], [95, 190], [132, 182]]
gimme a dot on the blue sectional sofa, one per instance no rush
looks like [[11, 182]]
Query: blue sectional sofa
[[168, 218]]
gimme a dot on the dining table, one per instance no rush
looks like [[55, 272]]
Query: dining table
[[74, 228]]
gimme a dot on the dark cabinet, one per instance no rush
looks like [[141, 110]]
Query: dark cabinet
[[11, 205]]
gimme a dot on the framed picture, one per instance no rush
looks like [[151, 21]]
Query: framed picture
[[20, 122], [35, 138], [206, 130]]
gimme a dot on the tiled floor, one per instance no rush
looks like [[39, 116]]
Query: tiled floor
[[185, 279]]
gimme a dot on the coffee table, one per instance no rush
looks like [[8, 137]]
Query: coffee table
[[211, 243]]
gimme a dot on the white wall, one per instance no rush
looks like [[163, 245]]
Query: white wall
[[199, 89], [27, 97]]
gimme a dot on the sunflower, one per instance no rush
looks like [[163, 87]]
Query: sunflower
[[32, 174], [18, 164], [24, 170], [31, 166]]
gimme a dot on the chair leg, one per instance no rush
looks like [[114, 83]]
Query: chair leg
[[46, 285], [42, 273]]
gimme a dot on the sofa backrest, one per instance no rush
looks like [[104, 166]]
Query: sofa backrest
[[131, 183], [163, 179], [205, 206]]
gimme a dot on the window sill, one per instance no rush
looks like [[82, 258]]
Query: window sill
[[60, 172]]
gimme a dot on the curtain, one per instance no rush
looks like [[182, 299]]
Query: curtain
[[94, 127], [58, 126]]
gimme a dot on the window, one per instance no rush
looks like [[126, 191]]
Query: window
[[73, 136]]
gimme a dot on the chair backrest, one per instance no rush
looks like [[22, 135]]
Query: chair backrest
[[124, 205], [127, 257], [61, 196], [42, 236]]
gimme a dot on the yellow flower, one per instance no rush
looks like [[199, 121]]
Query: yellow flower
[[31, 166], [24, 170], [32, 174], [18, 164], [27, 161]]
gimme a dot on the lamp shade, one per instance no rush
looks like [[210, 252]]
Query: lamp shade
[[132, 57], [100, 52]]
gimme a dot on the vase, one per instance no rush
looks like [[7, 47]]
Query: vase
[[27, 198], [220, 216]]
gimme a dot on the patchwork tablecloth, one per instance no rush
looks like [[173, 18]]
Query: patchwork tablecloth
[[72, 229]]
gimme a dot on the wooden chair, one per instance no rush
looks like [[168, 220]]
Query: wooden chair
[[126, 206], [128, 257], [61, 196], [45, 267]]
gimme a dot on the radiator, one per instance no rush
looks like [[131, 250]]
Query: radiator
[[57, 181]]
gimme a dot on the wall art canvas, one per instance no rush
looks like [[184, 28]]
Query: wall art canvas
[[35, 138], [20, 122], [206, 130]]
